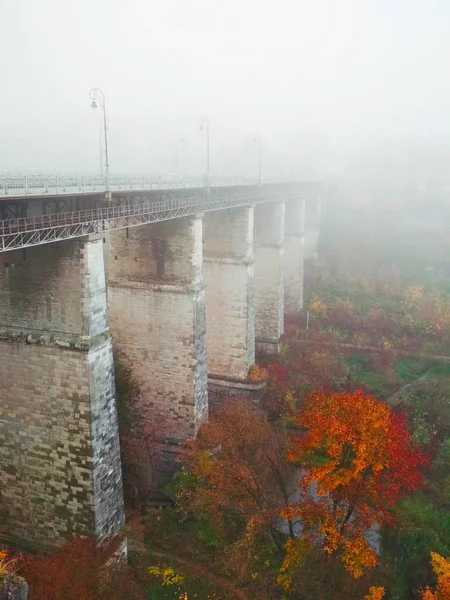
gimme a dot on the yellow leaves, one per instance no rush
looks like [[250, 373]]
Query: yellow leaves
[[412, 294], [166, 574], [376, 592], [317, 306], [297, 551], [441, 567], [205, 462], [290, 400], [358, 556], [257, 373], [386, 343]]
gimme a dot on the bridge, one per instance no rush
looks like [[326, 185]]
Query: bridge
[[186, 284]]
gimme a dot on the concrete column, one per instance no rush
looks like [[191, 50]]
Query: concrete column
[[312, 228], [293, 257], [60, 472], [229, 280], [157, 310], [269, 285]]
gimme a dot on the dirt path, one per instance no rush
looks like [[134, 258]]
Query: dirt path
[[199, 571], [136, 542]]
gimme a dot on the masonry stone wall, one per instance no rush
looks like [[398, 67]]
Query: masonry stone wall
[[229, 281], [157, 310], [294, 256], [60, 471], [58, 288], [312, 228], [269, 280]]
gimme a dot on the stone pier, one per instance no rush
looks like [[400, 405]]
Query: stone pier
[[156, 299], [60, 472], [229, 281], [269, 284], [293, 256], [313, 217]]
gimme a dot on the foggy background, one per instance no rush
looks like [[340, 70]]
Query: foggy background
[[358, 89]]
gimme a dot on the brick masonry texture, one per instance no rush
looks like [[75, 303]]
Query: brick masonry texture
[[58, 288], [229, 281], [269, 283], [157, 310], [293, 256], [60, 470], [312, 227]]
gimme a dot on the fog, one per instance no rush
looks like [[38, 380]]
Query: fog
[[332, 86]]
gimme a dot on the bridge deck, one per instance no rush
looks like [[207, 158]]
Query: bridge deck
[[41, 229]]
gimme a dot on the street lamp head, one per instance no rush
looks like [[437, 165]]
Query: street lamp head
[[97, 97], [203, 122]]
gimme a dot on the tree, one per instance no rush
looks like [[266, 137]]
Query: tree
[[441, 568], [239, 477], [80, 570], [357, 461], [298, 370]]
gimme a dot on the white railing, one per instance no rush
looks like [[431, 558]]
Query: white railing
[[41, 185]]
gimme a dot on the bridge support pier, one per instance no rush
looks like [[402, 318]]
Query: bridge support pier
[[294, 256], [312, 228], [60, 472], [229, 280], [269, 285], [157, 310]]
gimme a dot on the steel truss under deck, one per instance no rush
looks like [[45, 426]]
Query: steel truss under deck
[[33, 231]]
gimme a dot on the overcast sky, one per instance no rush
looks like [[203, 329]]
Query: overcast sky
[[317, 78]]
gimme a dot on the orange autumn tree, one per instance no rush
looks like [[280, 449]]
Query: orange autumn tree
[[357, 460], [239, 478], [441, 568]]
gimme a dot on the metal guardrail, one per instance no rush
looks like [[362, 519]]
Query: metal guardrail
[[38, 185], [31, 231]]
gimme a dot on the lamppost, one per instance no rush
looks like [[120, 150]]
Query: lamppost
[[98, 100], [204, 124], [101, 148], [258, 139]]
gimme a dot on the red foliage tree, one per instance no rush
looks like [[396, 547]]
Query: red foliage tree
[[358, 460], [80, 570]]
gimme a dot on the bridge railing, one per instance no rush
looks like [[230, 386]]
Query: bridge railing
[[35, 223], [24, 232], [40, 185]]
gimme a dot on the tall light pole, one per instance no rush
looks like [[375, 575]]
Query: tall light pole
[[98, 100], [204, 124], [258, 139], [101, 148]]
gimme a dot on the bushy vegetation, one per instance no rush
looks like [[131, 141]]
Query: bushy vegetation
[[364, 313]]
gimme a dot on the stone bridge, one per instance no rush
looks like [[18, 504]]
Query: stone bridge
[[184, 283]]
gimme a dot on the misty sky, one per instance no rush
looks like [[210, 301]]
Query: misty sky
[[317, 78]]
